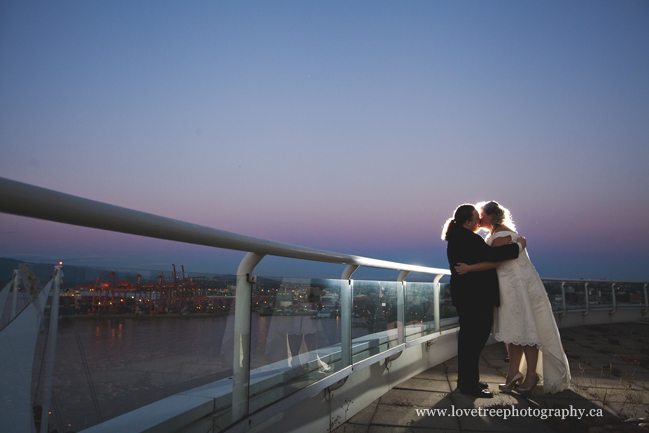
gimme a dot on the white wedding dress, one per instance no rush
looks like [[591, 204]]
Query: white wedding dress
[[525, 317]]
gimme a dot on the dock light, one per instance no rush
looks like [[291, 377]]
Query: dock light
[[60, 263]]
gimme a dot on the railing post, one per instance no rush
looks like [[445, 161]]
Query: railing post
[[51, 349], [241, 358], [613, 293], [586, 298], [14, 296], [563, 300], [646, 297], [436, 301], [346, 302], [401, 307]]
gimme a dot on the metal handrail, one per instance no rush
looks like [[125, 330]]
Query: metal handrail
[[584, 280], [22, 199]]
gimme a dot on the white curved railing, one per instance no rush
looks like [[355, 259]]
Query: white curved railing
[[26, 200], [22, 199], [31, 201]]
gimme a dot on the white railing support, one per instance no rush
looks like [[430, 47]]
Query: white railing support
[[436, 310], [401, 307], [241, 353], [346, 306], [346, 310], [563, 300], [51, 349], [586, 299], [14, 297], [401, 312]]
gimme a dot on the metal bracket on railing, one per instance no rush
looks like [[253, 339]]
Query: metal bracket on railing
[[402, 276], [389, 359], [328, 390], [429, 343], [349, 270]]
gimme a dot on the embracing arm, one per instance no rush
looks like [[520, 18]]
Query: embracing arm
[[498, 253], [463, 268]]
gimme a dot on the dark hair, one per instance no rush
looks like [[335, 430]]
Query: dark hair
[[462, 214]]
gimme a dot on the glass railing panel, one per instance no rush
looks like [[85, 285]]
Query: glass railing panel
[[600, 295], [374, 318], [447, 312], [35, 278], [128, 338], [295, 336], [555, 295], [420, 310], [630, 294], [575, 295]]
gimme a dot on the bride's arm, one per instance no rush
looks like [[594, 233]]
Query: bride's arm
[[463, 268]]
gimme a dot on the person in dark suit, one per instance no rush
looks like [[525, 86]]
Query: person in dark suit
[[474, 294]]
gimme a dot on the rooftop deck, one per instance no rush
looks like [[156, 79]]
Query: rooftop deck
[[379, 380], [610, 371]]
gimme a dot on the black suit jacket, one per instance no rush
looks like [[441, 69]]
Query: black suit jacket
[[475, 288]]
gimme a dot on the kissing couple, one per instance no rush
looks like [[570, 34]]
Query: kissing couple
[[494, 285]]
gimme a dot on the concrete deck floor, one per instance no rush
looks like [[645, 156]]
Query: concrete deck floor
[[610, 371]]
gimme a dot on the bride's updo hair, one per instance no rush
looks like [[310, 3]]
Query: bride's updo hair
[[462, 214], [502, 216]]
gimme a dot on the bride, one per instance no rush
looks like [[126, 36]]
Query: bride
[[524, 319]]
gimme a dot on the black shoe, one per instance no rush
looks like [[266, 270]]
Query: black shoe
[[476, 392], [481, 385]]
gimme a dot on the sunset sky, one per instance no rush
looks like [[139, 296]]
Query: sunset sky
[[350, 126]]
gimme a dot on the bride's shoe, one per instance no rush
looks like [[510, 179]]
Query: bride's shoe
[[528, 390], [507, 387]]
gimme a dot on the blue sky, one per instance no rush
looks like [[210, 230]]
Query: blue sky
[[355, 127]]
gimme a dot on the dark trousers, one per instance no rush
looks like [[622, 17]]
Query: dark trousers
[[475, 327]]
